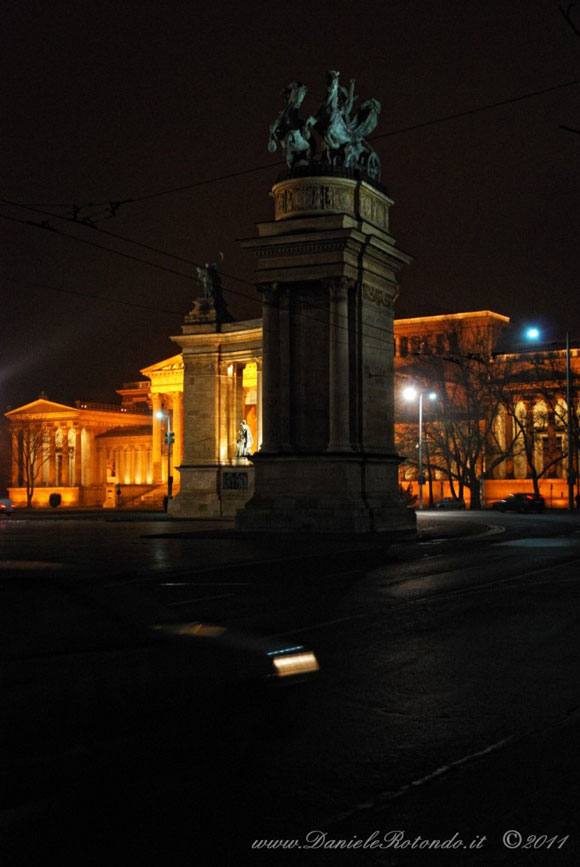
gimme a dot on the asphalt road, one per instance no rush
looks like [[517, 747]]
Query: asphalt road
[[447, 706]]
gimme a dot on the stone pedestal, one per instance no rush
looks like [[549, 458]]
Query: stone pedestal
[[327, 268]]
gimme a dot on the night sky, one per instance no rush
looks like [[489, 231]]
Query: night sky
[[106, 102]]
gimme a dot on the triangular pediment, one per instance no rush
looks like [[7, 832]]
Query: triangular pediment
[[42, 406], [168, 365]]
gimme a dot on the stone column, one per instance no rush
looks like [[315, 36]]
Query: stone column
[[132, 464], [227, 395], [271, 368], [238, 397], [285, 355], [78, 458], [52, 479], [156, 438], [259, 401], [178, 427], [338, 387]]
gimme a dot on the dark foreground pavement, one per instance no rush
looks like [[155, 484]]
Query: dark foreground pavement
[[111, 752]]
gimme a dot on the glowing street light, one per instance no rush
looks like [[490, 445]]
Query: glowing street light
[[411, 393], [169, 439]]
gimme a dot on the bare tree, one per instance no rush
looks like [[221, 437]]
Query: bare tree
[[539, 385], [461, 435], [35, 444]]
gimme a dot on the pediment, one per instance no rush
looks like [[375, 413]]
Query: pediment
[[168, 365], [42, 406]]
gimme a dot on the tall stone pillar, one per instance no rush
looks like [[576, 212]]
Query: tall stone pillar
[[338, 372], [199, 469], [259, 367], [177, 399], [271, 366], [78, 459], [157, 437], [327, 266], [52, 476]]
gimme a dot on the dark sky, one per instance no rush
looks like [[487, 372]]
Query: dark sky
[[110, 101]]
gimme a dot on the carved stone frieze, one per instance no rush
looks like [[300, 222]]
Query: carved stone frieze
[[297, 197], [300, 249], [292, 198], [374, 209], [377, 296], [233, 481]]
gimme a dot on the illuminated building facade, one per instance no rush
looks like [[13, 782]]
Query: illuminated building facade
[[525, 434], [79, 451], [215, 381]]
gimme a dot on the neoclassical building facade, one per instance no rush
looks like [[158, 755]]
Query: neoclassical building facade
[[116, 456]]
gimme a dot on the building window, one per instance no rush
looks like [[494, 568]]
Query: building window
[[404, 347]]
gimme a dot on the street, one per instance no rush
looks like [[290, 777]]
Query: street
[[447, 706]]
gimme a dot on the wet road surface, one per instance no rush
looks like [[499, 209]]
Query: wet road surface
[[448, 700]]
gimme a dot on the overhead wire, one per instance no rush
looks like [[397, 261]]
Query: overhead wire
[[113, 205], [89, 225], [116, 203], [378, 328], [66, 290]]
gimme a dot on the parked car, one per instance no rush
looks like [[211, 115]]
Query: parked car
[[450, 503], [6, 506], [520, 502]]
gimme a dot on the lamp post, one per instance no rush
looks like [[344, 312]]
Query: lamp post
[[410, 393], [534, 334], [169, 440]]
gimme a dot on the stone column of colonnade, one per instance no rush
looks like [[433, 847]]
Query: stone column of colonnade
[[259, 376], [78, 458], [177, 404], [271, 369], [157, 434], [338, 368]]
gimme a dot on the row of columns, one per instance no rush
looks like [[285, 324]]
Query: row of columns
[[549, 429], [172, 403], [231, 404], [65, 465]]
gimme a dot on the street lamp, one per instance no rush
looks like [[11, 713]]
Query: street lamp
[[169, 440], [411, 393], [534, 334]]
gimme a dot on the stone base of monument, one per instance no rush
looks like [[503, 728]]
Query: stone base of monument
[[198, 496], [327, 494]]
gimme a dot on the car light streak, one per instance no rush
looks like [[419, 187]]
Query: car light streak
[[295, 663]]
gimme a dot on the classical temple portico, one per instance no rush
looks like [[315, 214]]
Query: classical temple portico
[[76, 451], [166, 395]]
